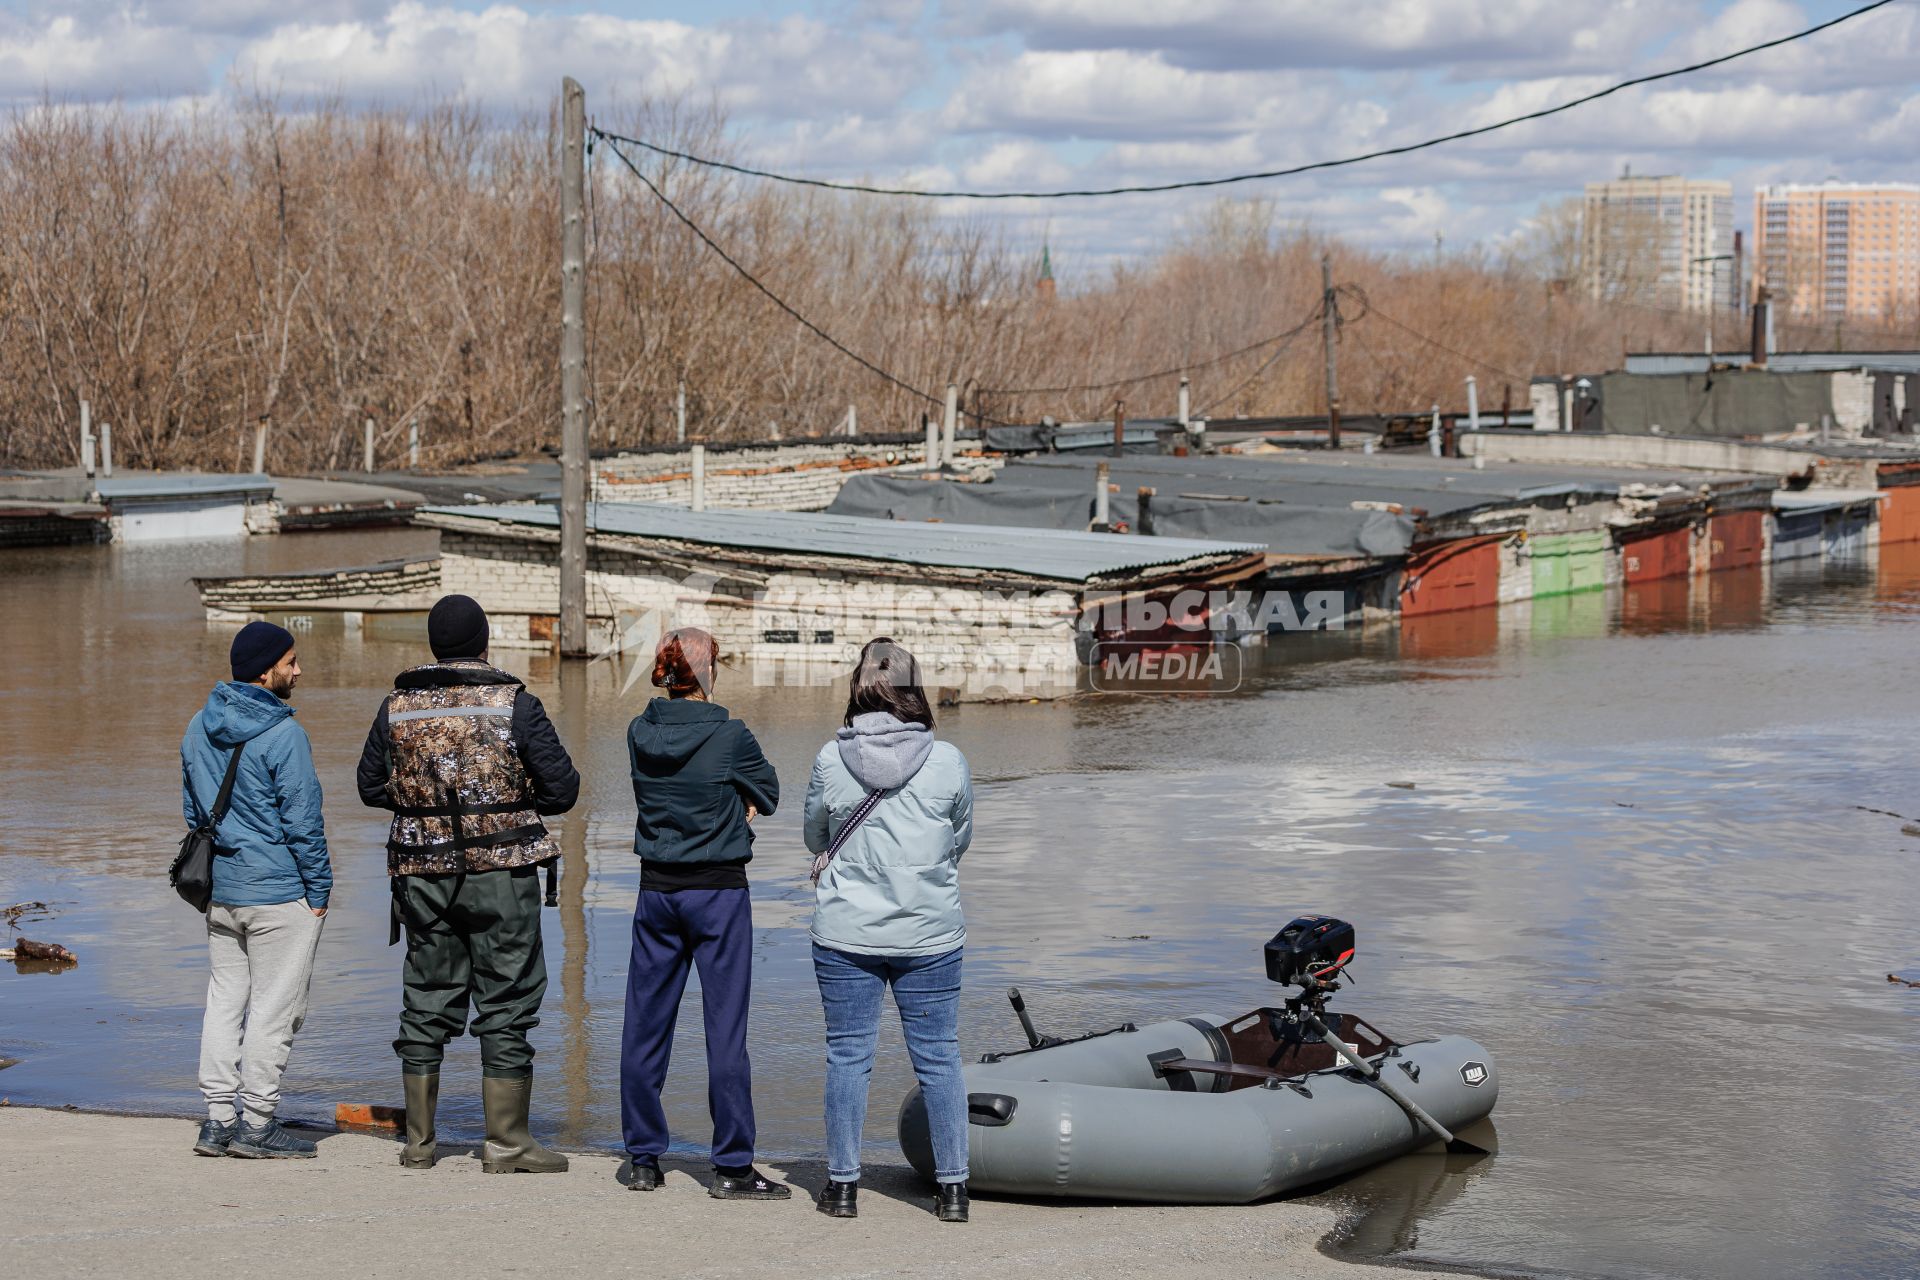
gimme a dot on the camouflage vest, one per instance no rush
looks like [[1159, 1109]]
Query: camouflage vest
[[462, 800]]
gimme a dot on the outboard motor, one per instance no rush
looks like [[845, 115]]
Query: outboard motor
[[1310, 952]]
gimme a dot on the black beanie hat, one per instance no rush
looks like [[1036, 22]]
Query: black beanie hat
[[256, 649], [457, 628]]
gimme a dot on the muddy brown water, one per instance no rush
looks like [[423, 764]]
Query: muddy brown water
[[1639, 863]]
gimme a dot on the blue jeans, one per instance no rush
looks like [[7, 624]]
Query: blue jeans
[[926, 990]]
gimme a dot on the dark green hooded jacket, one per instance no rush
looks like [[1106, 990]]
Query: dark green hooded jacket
[[695, 771]]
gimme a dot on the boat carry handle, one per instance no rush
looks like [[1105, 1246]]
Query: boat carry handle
[[990, 1110]]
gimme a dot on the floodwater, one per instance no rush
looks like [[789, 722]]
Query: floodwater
[[1639, 862]]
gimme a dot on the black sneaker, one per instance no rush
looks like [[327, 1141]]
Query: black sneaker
[[952, 1204], [840, 1199], [747, 1183], [215, 1135], [644, 1175], [270, 1141]]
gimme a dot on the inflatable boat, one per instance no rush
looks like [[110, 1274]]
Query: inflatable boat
[[1211, 1110]]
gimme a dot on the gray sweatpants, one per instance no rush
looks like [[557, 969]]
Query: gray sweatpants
[[262, 961]]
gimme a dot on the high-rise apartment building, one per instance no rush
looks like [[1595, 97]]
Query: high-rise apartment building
[[1664, 241], [1839, 250]]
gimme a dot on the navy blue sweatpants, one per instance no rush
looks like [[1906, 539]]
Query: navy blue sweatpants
[[711, 928]]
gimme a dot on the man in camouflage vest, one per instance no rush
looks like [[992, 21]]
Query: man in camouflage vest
[[468, 762]]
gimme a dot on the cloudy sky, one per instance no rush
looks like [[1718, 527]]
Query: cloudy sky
[[1040, 93]]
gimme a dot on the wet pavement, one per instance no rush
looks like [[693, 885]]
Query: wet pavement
[[1640, 863]]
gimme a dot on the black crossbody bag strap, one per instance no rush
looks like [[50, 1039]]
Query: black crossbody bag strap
[[225, 798]]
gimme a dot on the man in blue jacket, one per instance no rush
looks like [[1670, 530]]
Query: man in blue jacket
[[271, 881]]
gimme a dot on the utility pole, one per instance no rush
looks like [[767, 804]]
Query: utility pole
[[1326, 338], [573, 364]]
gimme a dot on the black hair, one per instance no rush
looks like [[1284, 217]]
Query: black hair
[[887, 678]]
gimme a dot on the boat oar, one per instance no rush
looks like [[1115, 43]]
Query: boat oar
[[1374, 1077]]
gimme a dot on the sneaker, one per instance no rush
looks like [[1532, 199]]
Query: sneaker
[[214, 1137], [746, 1183], [953, 1202], [840, 1199], [270, 1141]]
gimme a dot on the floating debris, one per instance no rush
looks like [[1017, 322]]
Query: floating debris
[[1404, 786], [28, 949], [1901, 981], [369, 1117]]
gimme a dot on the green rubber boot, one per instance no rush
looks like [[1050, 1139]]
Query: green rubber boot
[[510, 1147], [423, 1096]]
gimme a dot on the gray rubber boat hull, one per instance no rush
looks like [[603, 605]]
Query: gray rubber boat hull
[[1092, 1119]]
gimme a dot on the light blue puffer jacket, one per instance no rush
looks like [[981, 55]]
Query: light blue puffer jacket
[[894, 887], [273, 840]]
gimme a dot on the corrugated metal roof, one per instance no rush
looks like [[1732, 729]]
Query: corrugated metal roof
[[181, 485], [1805, 500], [1778, 362], [1040, 553]]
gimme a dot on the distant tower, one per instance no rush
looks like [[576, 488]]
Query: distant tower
[[1044, 286]]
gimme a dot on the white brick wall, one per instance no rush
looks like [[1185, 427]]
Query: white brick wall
[[788, 477], [962, 635]]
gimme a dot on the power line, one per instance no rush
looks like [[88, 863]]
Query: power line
[[1265, 365], [1270, 173], [1372, 310], [1148, 377], [772, 297]]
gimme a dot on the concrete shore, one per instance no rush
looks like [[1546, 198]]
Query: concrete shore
[[89, 1195]]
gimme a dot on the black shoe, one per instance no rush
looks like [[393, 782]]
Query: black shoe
[[215, 1136], [840, 1199], [746, 1183], [270, 1141], [644, 1175], [952, 1204]]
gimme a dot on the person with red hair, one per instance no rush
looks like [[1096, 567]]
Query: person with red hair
[[699, 779]]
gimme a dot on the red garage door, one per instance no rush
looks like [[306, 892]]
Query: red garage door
[[1649, 556], [1900, 514], [1464, 574], [1736, 539]]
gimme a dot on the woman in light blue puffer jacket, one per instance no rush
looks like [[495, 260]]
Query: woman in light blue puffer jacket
[[889, 812]]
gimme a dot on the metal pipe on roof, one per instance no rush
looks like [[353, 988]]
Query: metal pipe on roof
[[1185, 396], [106, 451], [413, 445], [1433, 432], [368, 459], [699, 501], [932, 459], [1101, 510], [949, 423], [1473, 404], [260, 444], [1119, 427], [680, 413], [86, 437]]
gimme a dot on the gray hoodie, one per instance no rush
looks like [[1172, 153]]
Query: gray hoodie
[[894, 887]]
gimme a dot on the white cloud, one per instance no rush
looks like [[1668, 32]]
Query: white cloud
[[1265, 34], [67, 56], [505, 54]]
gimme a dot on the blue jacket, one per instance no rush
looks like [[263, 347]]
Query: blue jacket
[[273, 846], [695, 771], [894, 887]]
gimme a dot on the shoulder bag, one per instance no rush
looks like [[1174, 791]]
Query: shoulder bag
[[854, 819], [191, 874]]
